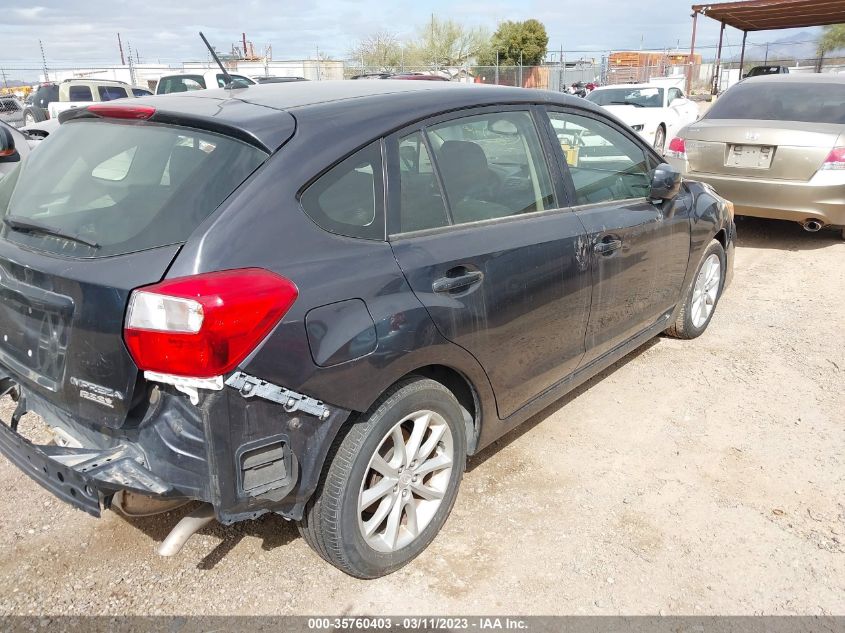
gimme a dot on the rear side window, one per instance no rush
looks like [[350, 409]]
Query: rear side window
[[141, 92], [349, 198], [811, 102], [124, 187], [79, 93], [107, 93], [9, 105]]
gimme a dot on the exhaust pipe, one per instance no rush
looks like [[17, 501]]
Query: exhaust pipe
[[812, 226], [187, 527]]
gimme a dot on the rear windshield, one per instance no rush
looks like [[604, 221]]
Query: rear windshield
[[109, 93], [775, 101], [120, 187], [180, 83]]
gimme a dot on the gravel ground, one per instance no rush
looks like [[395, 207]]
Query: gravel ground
[[696, 477]]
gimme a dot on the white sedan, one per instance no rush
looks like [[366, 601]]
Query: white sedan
[[654, 111]]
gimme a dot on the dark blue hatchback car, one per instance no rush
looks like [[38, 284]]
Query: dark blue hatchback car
[[316, 299]]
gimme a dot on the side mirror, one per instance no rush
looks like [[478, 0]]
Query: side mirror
[[8, 152], [665, 183]]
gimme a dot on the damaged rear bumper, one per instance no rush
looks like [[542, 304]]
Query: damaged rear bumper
[[245, 455]]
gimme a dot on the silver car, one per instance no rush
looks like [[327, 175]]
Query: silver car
[[775, 146], [11, 110]]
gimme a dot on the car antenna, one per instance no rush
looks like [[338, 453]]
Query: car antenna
[[229, 80]]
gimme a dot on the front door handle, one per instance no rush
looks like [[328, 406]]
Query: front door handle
[[458, 282], [608, 246]]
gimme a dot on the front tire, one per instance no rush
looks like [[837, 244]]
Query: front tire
[[703, 295], [389, 482]]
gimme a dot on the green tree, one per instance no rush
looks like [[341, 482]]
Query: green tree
[[446, 43], [832, 39], [512, 38]]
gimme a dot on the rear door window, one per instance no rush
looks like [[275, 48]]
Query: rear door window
[[492, 166], [421, 200], [79, 93], [108, 93], [349, 198], [124, 187]]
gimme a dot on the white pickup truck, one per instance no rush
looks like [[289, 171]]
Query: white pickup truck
[[78, 93]]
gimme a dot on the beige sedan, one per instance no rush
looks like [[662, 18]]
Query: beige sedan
[[774, 146]]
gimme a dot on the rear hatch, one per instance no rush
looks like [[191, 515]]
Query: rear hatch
[[771, 128], [100, 208]]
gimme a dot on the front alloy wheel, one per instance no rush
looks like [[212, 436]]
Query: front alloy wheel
[[698, 305]]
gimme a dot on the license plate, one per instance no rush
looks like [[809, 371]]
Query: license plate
[[750, 156]]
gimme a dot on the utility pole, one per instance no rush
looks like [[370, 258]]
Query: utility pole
[[44, 61], [5, 82], [766, 61], [318, 64], [120, 46], [520, 69], [497, 66], [137, 56], [131, 65]]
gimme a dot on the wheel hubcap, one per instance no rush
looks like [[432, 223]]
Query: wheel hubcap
[[706, 290], [405, 481]]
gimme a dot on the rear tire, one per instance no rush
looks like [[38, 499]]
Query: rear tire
[[703, 295], [389, 482], [660, 139], [28, 119]]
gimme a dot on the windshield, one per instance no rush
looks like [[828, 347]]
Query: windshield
[[642, 97], [781, 101], [119, 187]]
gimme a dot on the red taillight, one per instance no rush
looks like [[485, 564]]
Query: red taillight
[[203, 326], [120, 111], [677, 148], [836, 159]]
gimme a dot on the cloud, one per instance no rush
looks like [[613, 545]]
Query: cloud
[[84, 32]]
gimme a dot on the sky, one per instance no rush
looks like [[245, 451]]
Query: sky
[[83, 32]]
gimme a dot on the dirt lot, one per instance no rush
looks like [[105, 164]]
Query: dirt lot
[[690, 478]]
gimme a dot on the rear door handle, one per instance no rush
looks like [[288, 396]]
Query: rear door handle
[[458, 282], [608, 246]]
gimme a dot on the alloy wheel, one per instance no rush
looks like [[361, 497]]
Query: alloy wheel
[[405, 481], [706, 290]]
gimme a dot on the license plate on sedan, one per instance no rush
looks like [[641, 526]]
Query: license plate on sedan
[[750, 156]]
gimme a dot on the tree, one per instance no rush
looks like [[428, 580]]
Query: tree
[[446, 43], [512, 38], [832, 39], [380, 50]]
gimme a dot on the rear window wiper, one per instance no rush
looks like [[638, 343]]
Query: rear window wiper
[[31, 226]]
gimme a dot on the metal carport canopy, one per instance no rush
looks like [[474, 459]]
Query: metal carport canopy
[[763, 15]]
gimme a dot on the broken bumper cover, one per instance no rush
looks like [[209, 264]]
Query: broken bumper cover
[[92, 475], [228, 450]]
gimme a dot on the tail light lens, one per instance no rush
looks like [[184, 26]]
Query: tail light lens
[[203, 326], [677, 148], [836, 159]]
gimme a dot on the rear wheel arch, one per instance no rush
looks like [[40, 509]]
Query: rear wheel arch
[[465, 393]]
